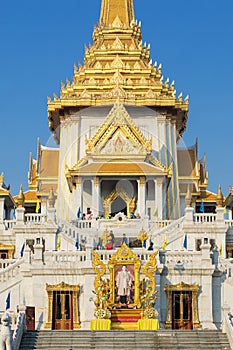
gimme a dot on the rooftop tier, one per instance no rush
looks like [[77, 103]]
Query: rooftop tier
[[117, 68]]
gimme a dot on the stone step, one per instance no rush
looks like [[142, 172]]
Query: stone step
[[126, 340]]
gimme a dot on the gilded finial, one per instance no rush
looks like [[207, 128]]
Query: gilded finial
[[55, 96], [180, 97], [48, 99], [21, 197], [2, 179], [219, 200]]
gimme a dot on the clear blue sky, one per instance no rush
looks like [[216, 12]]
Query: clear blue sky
[[41, 40]]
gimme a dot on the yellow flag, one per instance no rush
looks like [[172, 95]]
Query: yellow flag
[[37, 206], [164, 243], [220, 250], [59, 242], [225, 210]]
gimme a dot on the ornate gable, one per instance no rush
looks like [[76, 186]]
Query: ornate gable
[[119, 136]]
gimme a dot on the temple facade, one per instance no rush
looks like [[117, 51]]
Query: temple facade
[[118, 194]]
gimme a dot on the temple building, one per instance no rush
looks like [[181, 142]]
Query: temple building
[[117, 182]]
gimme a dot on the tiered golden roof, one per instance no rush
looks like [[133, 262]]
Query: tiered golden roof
[[118, 67]]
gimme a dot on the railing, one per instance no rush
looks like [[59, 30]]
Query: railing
[[6, 262], [229, 223], [71, 257], [35, 218], [204, 218], [228, 327], [19, 330], [10, 271], [9, 224], [178, 259], [161, 223], [84, 224]]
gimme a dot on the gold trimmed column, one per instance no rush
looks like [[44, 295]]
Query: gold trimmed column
[[142, 195]]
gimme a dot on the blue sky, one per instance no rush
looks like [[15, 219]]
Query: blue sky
[[41, 40]]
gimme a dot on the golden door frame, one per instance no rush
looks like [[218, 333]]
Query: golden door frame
[[125, 256], [10, 248], [130, 202], [182, 287], [64, 288]]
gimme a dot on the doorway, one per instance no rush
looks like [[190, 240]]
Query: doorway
[[182, 306], [118, 206], [63, 306], [62, 310], [182, 310]]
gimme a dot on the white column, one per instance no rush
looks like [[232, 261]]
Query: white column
[[159, 191], [230, 214], [78, 194], [142, 195], [205, 299], [1, 210], [96, 196]]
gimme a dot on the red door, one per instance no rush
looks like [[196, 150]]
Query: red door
[[30, 318]]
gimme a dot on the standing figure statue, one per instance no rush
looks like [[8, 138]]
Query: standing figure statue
[[123, 283], [6, 336]]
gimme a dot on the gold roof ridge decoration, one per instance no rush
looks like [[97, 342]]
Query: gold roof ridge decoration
[[117, 67]]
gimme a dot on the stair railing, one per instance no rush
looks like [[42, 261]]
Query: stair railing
[[19, 330]]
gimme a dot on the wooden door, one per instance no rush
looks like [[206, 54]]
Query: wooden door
[[182, 310], [30, 318], [62, 310]]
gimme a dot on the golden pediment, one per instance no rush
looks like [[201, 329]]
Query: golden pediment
[[118, 134]]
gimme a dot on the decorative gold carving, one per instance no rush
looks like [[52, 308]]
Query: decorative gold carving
[[125, 256], [142, 180], [143, 236], [130, 202], [63, 287], [149, 290], [102, 290], [113, 12]]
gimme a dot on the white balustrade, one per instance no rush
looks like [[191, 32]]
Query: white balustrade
[[35, 218], [71, 257], [229, 223], [9, 224], [204, 218], [10, 271], [6, 262]]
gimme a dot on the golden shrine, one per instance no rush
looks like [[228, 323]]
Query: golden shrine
[[135, 309]]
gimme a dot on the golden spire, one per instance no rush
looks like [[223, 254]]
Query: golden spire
[[116, 11], [20, 198]]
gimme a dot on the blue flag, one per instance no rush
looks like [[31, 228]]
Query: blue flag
[[22, 250], [79, 213], [185, 244], [8, 301], [77, 243], [202, 208]]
